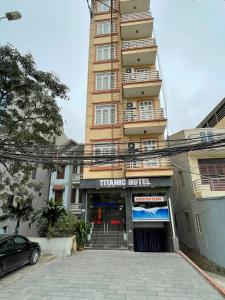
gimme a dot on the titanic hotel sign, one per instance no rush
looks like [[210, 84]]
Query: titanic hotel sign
[[131, 182]]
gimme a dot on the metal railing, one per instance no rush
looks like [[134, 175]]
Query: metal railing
[[154, 162], [136, 16], [140, 76], [135, 115], [209, 184], [77, 177], [75, 207], [141, 43]]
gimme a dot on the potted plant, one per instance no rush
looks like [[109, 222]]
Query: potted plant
[[82, 231]]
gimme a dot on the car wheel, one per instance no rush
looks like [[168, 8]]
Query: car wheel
[[34, 257]]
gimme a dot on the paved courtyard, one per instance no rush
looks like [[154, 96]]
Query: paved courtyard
[[120, 275]]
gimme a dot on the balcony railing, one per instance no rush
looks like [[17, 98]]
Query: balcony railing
[[136, 16], [136, 115], [77, 177], [141, 43], [140, 76], [75, 207], [154, 162], [209, 184]]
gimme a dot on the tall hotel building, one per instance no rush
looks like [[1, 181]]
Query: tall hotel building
[[126, 202]]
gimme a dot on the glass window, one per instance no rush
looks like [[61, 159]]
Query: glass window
[[103, 149], [105, 52], [104, 27], [105, 81], [105, 114], [6, 245], [34, 173], [149, 146], [103, 6], [188, 223], [61, 173], [19, 241], [58, 196], [206, 136]]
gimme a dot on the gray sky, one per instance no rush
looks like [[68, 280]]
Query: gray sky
[[190, 35]]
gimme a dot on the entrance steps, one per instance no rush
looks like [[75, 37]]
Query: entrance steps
[[107, 240]]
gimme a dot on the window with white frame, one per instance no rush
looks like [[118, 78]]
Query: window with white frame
[[105, 52], [103, 150], [103, 6], [206, 136], [105, 81], [150, 145], [105, 114], [197, 221], [104, 27]]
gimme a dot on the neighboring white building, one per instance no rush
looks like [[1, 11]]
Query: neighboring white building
[[199, 194], [65, 183]]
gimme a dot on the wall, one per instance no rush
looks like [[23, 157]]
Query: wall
[[182, 195], [212, 238], [40, 199]]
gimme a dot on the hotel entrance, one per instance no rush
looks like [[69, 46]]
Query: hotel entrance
[[107, 215]]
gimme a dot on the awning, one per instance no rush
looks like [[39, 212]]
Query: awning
[[58, 187]]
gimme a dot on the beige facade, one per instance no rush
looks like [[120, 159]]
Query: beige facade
[[123, 105]]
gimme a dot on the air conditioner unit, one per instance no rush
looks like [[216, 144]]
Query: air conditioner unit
[[131, 147], [131, 105]]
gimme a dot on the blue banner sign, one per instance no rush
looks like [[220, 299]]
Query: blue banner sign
[[141, 214]]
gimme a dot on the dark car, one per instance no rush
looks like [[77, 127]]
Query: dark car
[[16, 251]]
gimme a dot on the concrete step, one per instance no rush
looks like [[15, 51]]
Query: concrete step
[[108, 246]]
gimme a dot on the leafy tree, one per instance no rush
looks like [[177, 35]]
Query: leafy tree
[[17, 207], [48, 216], [29, 116]]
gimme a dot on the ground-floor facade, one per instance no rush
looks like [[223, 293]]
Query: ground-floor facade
[[128, 213]]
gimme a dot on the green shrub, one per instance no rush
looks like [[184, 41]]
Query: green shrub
[[65, 226], [83, 229]]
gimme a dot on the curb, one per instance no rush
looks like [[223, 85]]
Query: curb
[[206, 276]]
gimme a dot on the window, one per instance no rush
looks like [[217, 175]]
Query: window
[[73, 196], [105, 114], [34, 173], [6, 245], [105, 52], [58, 196], [61, 173], [104, 5], [188, 223], [149, 146], [103, 150], [206, 136], [198, 224], [104, 27], [105, 81], [20, 241]]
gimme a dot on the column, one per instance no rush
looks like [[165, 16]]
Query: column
[[129, 221]]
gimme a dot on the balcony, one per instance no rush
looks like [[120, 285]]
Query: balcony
[[139, 84], [136, 26], [153, 167], [138, 121], [139, 52], [132, 6], [76, 178], [76, 208], [212, 187]]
